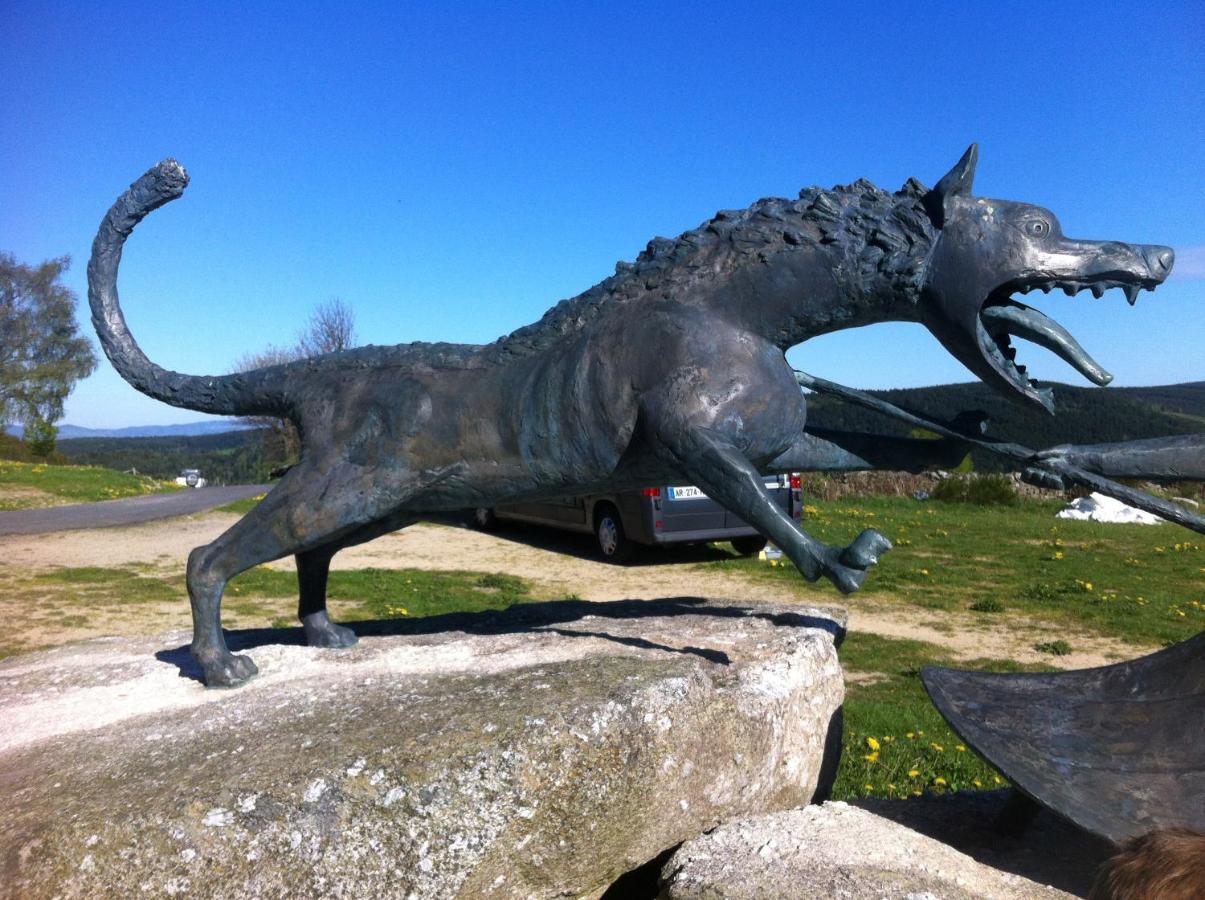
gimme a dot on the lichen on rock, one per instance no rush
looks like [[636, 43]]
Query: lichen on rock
[[541, 751]]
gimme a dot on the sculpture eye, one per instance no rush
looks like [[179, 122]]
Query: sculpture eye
[[1038, 228]]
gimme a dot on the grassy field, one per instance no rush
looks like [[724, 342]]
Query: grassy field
[[1008, 567], [896, 744], [32, 485], [1138, 583]]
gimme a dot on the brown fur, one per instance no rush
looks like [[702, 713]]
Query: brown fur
[[1168, 864]]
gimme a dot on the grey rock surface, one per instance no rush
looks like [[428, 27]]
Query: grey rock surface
[[537, 752], [833, 851]]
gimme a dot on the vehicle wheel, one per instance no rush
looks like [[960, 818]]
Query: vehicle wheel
[[484, 518], [747, 546], [613, 543]]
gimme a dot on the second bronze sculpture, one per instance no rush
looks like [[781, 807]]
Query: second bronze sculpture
[[673, 369]]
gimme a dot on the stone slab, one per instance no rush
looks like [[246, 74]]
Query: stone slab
[[537, 752], [835, 850]]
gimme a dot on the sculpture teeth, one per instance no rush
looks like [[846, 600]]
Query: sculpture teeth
[[1131, 292], [1046, 287], [1029, 324], [1097, 291], [1070, 288]]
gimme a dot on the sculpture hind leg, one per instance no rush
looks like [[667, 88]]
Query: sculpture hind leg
[[297, 518], [313, 568]]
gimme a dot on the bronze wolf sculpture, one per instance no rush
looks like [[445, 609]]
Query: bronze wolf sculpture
[[670, 370]]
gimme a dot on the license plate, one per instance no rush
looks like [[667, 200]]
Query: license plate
[[687, 492]]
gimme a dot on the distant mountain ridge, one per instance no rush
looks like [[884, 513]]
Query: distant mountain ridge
[[183, 429]]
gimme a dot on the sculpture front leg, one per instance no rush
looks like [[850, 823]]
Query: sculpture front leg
[[728, 477], [826, 450], [1178, 458]]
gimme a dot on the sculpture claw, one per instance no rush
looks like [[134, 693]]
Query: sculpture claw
[[1044, 479], [228, 671], [320, 631], [848, 570], [865, 550]]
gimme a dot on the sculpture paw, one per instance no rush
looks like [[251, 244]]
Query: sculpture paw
[[865, 550], [848, 570], [320, 631], [1044, 479], [227, 670]]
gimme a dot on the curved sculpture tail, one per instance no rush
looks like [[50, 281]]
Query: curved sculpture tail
[[245, 393]]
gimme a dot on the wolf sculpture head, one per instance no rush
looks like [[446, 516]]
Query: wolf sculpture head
[[988, 250]]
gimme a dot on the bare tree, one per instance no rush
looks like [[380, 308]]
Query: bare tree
[[331, 327]]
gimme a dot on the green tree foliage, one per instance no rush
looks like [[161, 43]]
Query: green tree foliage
[[39, 437], [231, 457], [42, 353]]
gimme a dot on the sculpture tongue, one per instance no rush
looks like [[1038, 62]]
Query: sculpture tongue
[[1026, 322]]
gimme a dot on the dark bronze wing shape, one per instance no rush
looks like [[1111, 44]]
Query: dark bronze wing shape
[[1119, 750]]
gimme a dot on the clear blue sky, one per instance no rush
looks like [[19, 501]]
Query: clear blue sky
[[452, 170]]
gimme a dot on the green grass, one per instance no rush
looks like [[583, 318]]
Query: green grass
[[1054, 648], [896, 743], [77, 484], [90, 584], [392, 593], [1140, 583], [242, 507]]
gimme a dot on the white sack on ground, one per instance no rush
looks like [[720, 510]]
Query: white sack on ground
[[1099, 508]]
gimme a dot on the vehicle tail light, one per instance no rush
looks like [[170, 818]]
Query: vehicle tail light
[[657, 524], [651, 492], [796, 481]]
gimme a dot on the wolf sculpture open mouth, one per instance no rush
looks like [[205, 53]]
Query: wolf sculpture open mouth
[[979, 240]]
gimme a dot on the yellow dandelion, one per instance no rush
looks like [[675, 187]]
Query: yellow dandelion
[[869, 787], [891, 787], [913, 773], [924, 571], [1058, 554], [961, 749], [939, 781], [997, 779], [938, 747], [872, 743], [910, 735], [872, 757], [977, 783], [916, 793]]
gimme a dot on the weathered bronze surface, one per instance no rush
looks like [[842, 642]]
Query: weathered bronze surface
[[1118, 750], [670, 370]]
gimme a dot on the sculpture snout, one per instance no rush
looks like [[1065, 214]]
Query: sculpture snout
[[1159, 259]]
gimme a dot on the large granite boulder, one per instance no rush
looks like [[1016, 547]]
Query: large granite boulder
[[538, 752], [842, 851]]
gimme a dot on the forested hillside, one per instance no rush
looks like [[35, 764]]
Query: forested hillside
[[1083, 415], [234, 457]]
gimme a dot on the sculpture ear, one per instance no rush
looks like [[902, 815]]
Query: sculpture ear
[[957, 181]]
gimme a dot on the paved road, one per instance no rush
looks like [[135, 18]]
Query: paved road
[[130, 511]]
